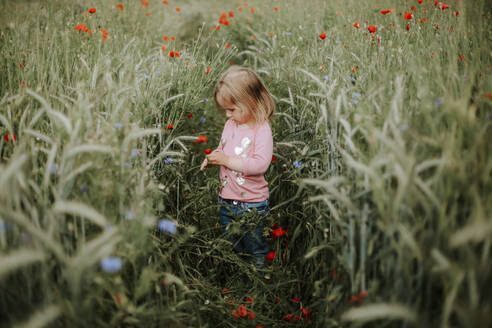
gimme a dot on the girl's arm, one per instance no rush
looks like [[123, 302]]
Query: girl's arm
[[258, 162]]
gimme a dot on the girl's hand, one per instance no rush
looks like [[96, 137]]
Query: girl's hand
[[204, 164], [217, 158]]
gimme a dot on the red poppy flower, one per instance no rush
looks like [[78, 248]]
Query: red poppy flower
[[420, 1], [372, 29], [240, 9], [306, 312], [164, 2], [278, 233], [190, 115], [252, 315], [207, 151], [10, 137], [288, 317], [92, 10], [322, 36], [145, 3], [363, 294], [81, 27], [163, 48], [437, 26], [408, 16], [252, 9], [231, 14], [173, 54], [242, 311], [249, 300], [165, 38], [461, 58], [274, 158], [104, 34], [295, 300], [178, 9], [271, 256], [227, 45], [489, 95], [408, 27], [356, 25], [387, 11], [355, 299], [441, 5], [120, 7], [202, 139], [207, 70], [276, 8], [170, 126], [277, 300], [235, 314], [457, 13]]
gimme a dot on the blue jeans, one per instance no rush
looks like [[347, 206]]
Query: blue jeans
[[251, 239]]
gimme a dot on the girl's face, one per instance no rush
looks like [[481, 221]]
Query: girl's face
[[236, 113]]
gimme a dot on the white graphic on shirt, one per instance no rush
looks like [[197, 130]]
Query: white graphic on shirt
[[245, 143], [240, 181]]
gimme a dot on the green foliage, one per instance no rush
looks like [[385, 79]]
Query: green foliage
[[382, 170]]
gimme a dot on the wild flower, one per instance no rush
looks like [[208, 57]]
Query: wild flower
[[169, 160], [288, 33], [408, 16], [168, 226], [207, 151], [92, 10], [202, 120], [129, 215], [387, 11], [271, 256], [371, 29], [111, 264], [202, 139], [120, 7], [297, 164], [322, 36]]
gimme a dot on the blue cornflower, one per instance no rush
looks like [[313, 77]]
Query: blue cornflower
[[355, 94], [134, 153], [325, 78], [337, 42], [111, 264], [204, 99], [83, 188], [147, 76], [129, 215], [158, 73], [117, 125], [167, 226], [128, 164], [288, 33], [168, 160], [354, 101], [202, 120], [297, 164], [437, 103], [352, 79]]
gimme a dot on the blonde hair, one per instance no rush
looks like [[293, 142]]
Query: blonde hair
[[243, 88]]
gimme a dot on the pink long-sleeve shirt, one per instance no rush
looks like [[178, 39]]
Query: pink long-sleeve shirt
[[255, 148]]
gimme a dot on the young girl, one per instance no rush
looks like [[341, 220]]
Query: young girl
[[244, 154]]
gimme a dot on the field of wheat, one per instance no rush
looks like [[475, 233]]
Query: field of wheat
[[380, 183]]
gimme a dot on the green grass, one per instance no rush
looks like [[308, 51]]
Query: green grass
[[392, 198]]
